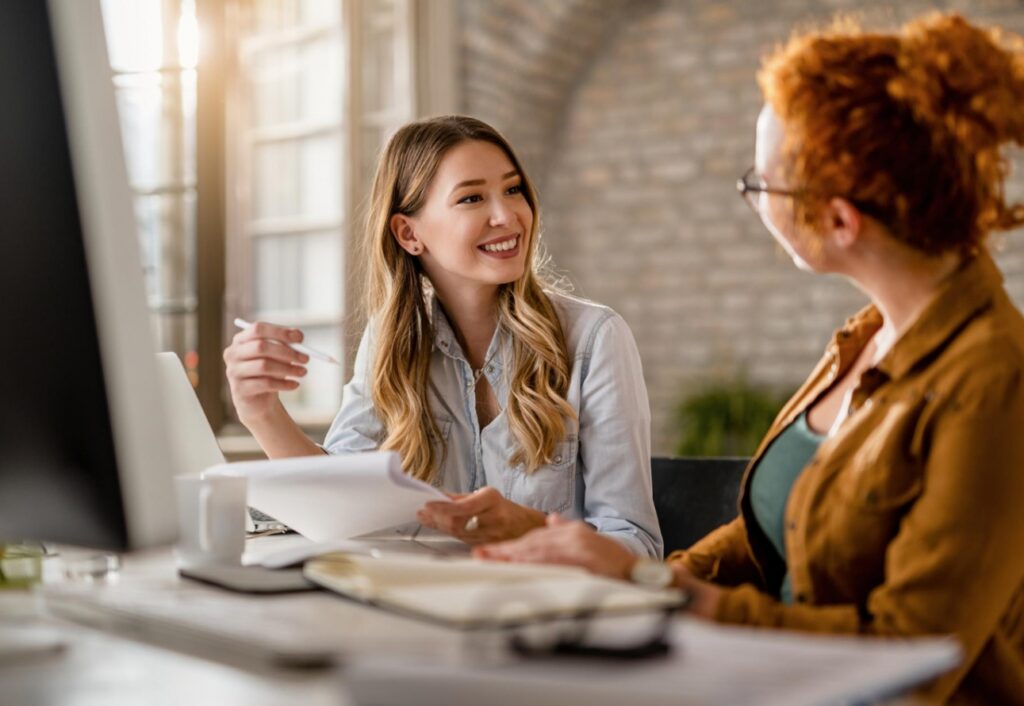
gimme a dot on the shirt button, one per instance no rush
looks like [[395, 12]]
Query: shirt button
[[557, 459], [490, 368]]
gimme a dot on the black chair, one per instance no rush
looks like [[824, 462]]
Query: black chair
[[694, 496]]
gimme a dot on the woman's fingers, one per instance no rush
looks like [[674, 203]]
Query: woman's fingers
[[454, 525], [262, 329], [466, 506], [266, 368], [253, 387], [541, 546], [260, 348]]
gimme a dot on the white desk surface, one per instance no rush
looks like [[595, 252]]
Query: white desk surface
[[101, 669]]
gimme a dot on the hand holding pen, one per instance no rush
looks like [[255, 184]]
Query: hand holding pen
[[301, 348], [262, 361]]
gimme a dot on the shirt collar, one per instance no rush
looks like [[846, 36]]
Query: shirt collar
[[444, 337], [446, 342]]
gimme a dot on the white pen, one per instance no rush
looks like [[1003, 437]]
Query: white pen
[[311, 352]]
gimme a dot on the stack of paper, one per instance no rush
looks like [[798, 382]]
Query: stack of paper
[[333, 497], [470, 594]]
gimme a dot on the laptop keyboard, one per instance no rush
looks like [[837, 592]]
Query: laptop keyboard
[[208, 625]]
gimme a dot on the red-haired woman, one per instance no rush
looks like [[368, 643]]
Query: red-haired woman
[[886, 499]]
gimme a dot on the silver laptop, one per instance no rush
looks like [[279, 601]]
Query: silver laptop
[[191, 434], [190, 431]]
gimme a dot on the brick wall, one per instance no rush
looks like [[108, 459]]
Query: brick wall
[[635, 119]]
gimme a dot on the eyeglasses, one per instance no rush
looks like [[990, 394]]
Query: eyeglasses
[[750, 186]]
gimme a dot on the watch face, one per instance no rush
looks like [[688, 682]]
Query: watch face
[[652, 573]]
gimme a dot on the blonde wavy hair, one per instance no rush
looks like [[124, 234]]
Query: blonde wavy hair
[[396, 303]]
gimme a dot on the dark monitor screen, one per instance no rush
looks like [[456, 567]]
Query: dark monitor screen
[[58, 471]]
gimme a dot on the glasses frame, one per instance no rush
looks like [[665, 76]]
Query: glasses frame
[[749, 191]]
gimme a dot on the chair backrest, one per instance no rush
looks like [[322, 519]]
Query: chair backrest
[[694, 496]]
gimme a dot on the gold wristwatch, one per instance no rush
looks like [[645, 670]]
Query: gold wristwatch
[[651, 573]]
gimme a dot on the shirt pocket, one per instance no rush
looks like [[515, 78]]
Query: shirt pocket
[[552, 486], [884, 474], [872, 492]]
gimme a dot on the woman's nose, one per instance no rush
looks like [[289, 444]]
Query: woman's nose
[[501, 214]]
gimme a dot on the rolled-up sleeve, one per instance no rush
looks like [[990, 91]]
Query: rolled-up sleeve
[[615, 441], [356, 426]]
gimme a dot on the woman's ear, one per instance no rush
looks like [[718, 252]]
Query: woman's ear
[[404, 232], [843, 223]]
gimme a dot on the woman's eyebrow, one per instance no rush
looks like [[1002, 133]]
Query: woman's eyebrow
[[481, 182], [468, 182]]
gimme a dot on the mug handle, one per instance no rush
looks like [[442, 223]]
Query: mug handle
[[205, 541]]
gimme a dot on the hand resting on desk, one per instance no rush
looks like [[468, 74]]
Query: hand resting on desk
[[576, 543]]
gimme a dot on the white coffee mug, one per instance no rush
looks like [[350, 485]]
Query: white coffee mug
[[211, 520]]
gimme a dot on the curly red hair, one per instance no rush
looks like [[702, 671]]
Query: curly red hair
[[908, 126]]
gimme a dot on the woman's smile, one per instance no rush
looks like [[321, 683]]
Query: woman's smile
[[502, 248]]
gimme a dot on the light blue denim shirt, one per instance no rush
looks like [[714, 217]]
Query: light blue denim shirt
[[600, 472]]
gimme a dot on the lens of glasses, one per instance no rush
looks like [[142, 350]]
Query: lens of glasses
[[753, 198]]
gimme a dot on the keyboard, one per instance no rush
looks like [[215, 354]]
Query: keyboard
[[213, 626]]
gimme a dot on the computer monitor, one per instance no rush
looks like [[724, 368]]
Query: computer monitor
[[85, 458]]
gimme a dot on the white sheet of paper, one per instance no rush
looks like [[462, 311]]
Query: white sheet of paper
[[333, 497], [711, 665]]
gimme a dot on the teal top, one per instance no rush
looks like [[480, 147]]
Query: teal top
[[773, 478]]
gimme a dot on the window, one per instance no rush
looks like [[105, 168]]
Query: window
[[318, 86], [153, 47], [250, 161]]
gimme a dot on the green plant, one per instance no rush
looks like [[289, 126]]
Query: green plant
[[726, 418]]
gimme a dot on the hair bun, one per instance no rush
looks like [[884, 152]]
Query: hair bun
[[961, 79]]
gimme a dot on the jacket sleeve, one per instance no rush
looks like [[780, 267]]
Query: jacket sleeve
[[954, 566], [723, 556]]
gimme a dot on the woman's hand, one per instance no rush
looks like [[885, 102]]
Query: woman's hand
[[496, 518], [704, 595], [259, 366], [565, 542], [578, 544]]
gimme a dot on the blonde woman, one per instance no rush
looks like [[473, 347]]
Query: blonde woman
[[516, 399]]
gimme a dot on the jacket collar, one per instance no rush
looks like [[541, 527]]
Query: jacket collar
[[968, 290]]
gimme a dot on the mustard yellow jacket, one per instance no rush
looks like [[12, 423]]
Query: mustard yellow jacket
[[910, 520]]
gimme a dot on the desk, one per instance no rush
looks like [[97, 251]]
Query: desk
[[98, 668], [101, 669]]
